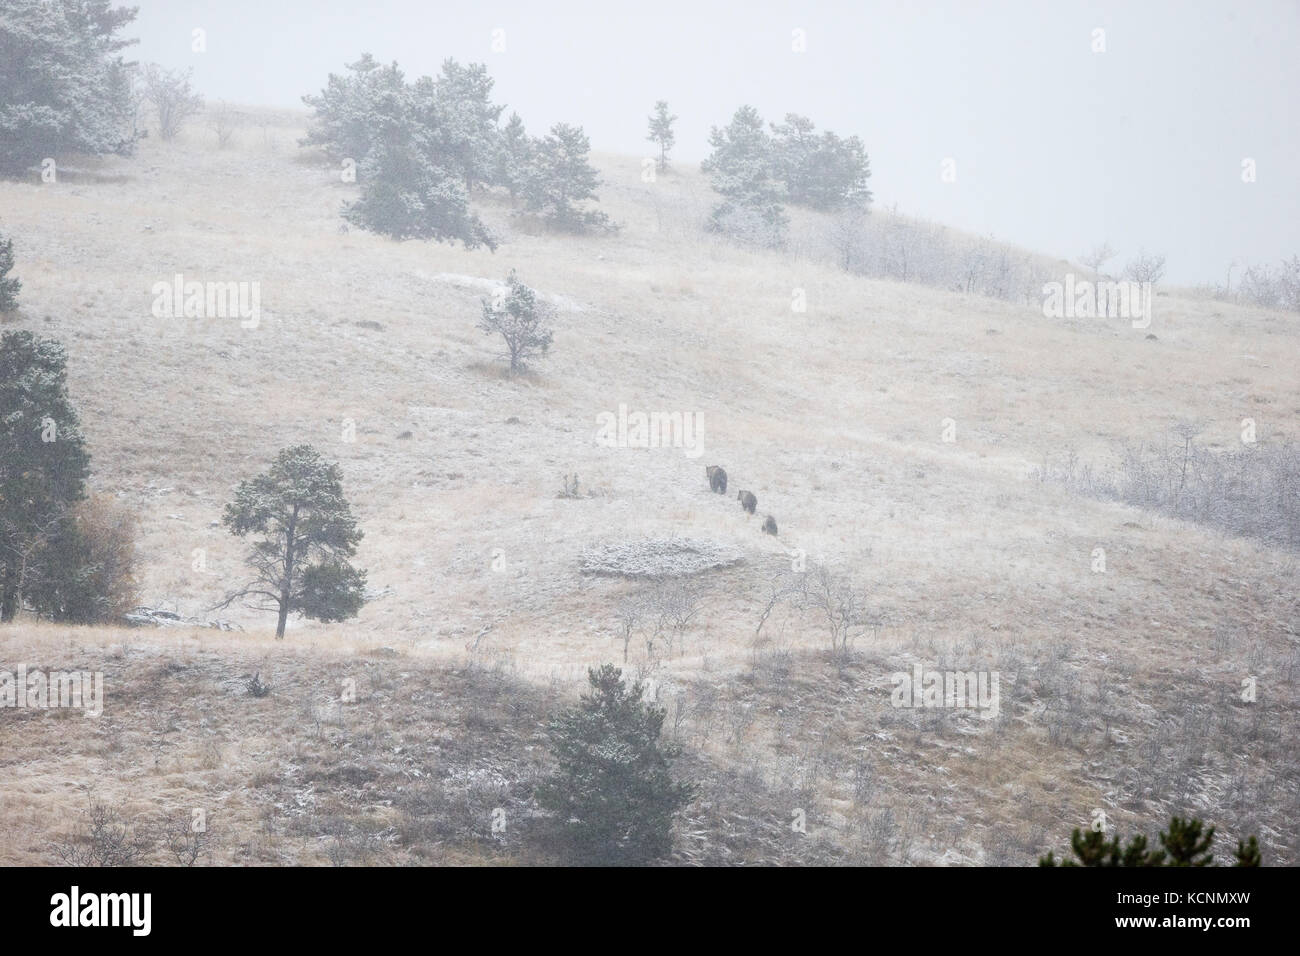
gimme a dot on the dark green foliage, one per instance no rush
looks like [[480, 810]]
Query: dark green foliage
[[1248, 853], [333, 590], [1185, 843], [613, 794], [63, 88], [559, 177], [83, 572], [9, 285], [43, 460], [307, 533]]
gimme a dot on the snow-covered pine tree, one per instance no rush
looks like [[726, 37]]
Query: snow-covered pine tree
[[742, 173], [661, 132], [350, 112], [306, 534], [520, 320], [514, 153], [560, 177], [468, 120], [63, 88], [408, 144], [822, 172]]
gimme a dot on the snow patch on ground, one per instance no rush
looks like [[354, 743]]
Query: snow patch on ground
[[488, 286], [657, 557]]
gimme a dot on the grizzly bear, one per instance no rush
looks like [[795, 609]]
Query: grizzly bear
[[717, 478]]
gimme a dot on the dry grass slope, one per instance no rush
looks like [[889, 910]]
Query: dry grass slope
[[1120, 689]]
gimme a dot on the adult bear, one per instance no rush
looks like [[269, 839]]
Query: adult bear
[[769, 525], [747, 500], [717, 478]]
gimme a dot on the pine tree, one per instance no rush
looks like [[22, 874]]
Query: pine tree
[[307, 533], [560, 177], [1186, 843], [413, 147], [661, 132], [794, 146], [741, 170], [9, 285], [1247, 853], [355, 109], [43, 459], [837, 174], [63, 88], [822, 172], [514, 154], [613, 793], [520, 320], [468, 120], [407, 194]]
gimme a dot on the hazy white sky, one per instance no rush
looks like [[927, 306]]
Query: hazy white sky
[[1056, 147]]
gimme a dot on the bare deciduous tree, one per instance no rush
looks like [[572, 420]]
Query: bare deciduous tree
[[104, 838], [629, 614], [172, 97], [847, 236], [840, 603], [223, 121], [1096, 257], [186, 843], [827, 594], [1145, 268]]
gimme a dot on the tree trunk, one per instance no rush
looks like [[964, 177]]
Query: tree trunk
[[284, 613], [9, 593], [286, 589]]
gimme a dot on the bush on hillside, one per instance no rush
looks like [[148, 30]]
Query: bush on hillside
[[1253, 492], [85, 573]]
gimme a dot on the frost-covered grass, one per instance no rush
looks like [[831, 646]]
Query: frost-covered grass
[[833, 416], [658, 558]]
